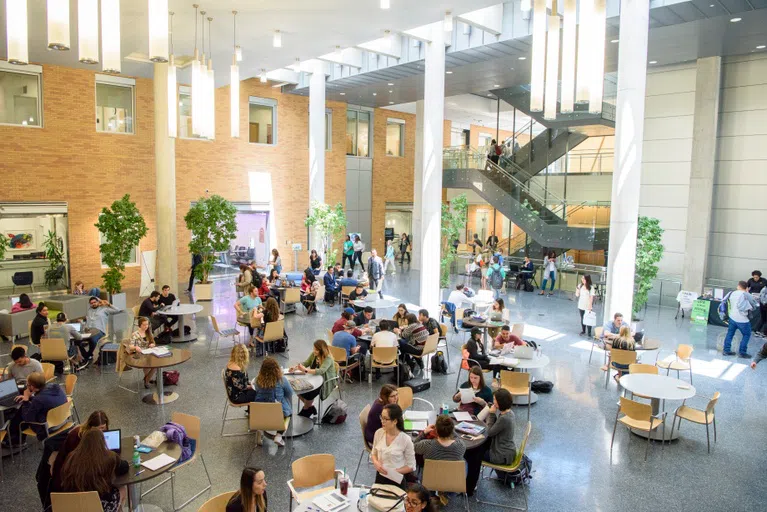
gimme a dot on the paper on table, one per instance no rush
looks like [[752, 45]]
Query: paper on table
[[467, 395], [417, 415], [158, 462], [393, 475], [484, 413], [462, 416]]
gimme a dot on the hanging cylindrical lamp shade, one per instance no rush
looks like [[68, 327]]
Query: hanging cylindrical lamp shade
[[58, 25], [568, 58], [277, 39], [196, 94], [538, 65], [448, 22], [172, 98], [385, 4], [526, 5], [110, 36], [598, 57], [585, 54], [234, 97], [211, 102], [158, 30], [88, 31], [552, 69], [16, 31]]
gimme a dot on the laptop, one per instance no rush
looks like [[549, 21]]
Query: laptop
[[8, 393], [524, 352], [14, 300], [371, 297], [76, 326], [112, 437]]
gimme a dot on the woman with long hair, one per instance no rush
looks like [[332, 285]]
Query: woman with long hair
[[252, 494], [238, 386], [624, 341], [309, 286], [23, 304], [387, 395], [549, 272], [392, 447], [319, 362], [315, 262], [348, 253], [244, 280], [495, 313], [140, 339], [401, 316], [359, 248], [272, 386], [275, 261], [98, 420], [92, 467], [585, 293], [483, 395], [417, 499]]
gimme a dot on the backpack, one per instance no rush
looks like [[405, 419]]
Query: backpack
[[531, 343], [498, 150], [404, 374], [529, 286], [524, 474], [256, 279], [496, 278], [336, 413], [438, 363], [723, 309], [542, 386]]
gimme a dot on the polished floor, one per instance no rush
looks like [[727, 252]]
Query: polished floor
[[570, 440]]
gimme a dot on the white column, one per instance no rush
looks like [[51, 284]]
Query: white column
[[431, 174], [165, 182], [415, 235], [629, 134], [316, 143]]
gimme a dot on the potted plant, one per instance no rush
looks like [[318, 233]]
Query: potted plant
[[453, 224], [213, 223], [649, 253], [122, 227], [54, 253], [329, 222]]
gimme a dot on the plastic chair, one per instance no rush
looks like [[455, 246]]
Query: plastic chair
[[57, 421], [135, 310], [292, 297], [445, 476], [342, 359], [69, 389], [623, 357], [406, 399], [264, 416], [384, 357], [274, 331], [49, 371], [227, 404], [4, 432], [311, 471], [596, 340], [701, 417], [365, 446], [518, 384], [505, 471], [638, 416], [345, 291], [430, 348], [217, 503], [443, 330], [466, 364], [234, 333], [54, 349], [683, 361], [80, 501], [120, 367]]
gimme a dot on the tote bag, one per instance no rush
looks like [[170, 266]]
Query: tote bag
[[590, 318]]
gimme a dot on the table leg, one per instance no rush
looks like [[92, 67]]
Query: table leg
[[658, 433], [160, 397], [134, 497], [298, 424], [183, 338]]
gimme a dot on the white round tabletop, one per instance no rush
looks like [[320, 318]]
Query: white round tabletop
[[314, 380], [377, 304], [181, 309], [660, 387], [353, 494], [539, 361]]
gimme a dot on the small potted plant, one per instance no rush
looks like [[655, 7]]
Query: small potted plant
[[454, 216], [649, 252], [54, 253], [213, 223]]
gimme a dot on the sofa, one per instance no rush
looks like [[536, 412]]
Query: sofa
[[14, 325], [74, 306]]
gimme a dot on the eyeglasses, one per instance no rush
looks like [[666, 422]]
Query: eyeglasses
[[384, 418], [412, 503]]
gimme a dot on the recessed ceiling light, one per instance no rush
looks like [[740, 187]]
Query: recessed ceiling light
[[343, 94], [496, 86], [490, 95], [653, 62], [523, 58], [375, 94], [448, 72], [390, 84], [614, 41], [761, 47], [735, 20], [712, 5], [391, 103], [391, 92]]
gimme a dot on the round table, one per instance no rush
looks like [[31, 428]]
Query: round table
[[132, 480], [657, 388], [538, 361], [300, 425], [181, 311], [143, 361], [484, 325], [379, 303], [353, 494]]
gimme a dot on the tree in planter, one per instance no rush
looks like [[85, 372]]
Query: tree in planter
[[329, 223], [122, 228], [453, 224], [54, 253], [649, 253], [213, 223]]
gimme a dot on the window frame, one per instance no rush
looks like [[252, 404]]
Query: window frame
[[116, 81], [264, 102], [186, 90], [31, 70], [395, 122], [357, 110]]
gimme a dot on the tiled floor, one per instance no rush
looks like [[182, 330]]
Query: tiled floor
[[571, 433]]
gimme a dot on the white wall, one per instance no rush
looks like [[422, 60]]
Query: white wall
[[580, 188]]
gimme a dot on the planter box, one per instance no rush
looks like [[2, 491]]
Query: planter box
[[203, 291]]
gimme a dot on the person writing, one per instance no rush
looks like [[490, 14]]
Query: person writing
[[505, 337], [251, 497], [272, 386], [387, 395], [585, 293], [444, 447], [319, 362], [483, 395], [238, 387], [142, 339], [393, 454]]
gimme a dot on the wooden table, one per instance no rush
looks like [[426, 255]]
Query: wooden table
[[132, 480], [657, 388], [147, 361], [180, 311]]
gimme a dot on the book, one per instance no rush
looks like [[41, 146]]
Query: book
[[415, 425], [469, 428]]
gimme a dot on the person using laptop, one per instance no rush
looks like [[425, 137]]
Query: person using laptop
[[365, 316], [97, 319], [168, 299], [149, 308], [140, 339], [22, 366], [73, 339], [505, 337], [38, 398], [359, 293], [23, 304]]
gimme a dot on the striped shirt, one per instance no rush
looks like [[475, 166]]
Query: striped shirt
[[432, 449]]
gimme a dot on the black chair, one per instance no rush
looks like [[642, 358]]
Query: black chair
[[23, 279]]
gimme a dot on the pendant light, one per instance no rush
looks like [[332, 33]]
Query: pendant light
[[110, 36], [88, 31], [211, 117], [552, 68], [234, 87], [196, 81], [158, 30], [568, 58], [598, 57], [16, 31], [262, 79], [58, 25], [277, 39], [385, 4], [172, 87], [448, 22], [585, 55], [539, 56]]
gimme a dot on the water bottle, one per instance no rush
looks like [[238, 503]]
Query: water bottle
[[362, 504], [136, 454]]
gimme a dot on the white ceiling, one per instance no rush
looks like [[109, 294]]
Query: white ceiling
[[309, 28]]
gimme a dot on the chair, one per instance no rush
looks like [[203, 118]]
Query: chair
[[23, 279], [69, 389], [54, 349], [345, 291], [505, 470], [406, 399], [342, 359], [682, 362], [192, 426], [443, 330], [466, 364], [233, 332], [57, 421], [638, 416], [701, 417], [366, 447], [265, 416], [227, 405], [384, 357], [596, 340], [49, 371], [292, 297], [429, 348], [120, 367], [80, 501], [135, 310], [517, 329], [217, 503], [623, 357], [518, 384], [4, 432], [274, 331], [311, 471], [445, 476]]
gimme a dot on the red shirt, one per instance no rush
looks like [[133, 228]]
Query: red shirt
[[513, 338], [263, 292], [339, 326]]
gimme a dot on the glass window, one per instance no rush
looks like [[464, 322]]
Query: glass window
[[114, 104], [262, 121], [351, 133], [185, 114], [358, 133], [484, 139], [132, 261], [20, 97], [395, 137]]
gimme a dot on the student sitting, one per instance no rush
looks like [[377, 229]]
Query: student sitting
[[38, 398], [417, 499], [238, 387], [319, 362], [142, 339], [247, 307], [624, 341], [413, 339], [365, 316], [272, 386], [393, 448], [346, 340], [401, 316], [387, 395], [476, 351], [346, 315], [349, 279], [37, 328], [359, 293], [483, 395], [507, 337], [432, 326], [167, 299], [444, 447], [252, 494], [24, 304], [331, 286], [385, 337], [79, 289], [309, 287], [22, 366], [73, 340], [98, 420], [149, 308]]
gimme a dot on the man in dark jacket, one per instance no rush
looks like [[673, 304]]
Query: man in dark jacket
[[37, 400]]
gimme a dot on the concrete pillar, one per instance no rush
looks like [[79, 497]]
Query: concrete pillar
[[165, 183], [629, 135], [705, 129], [415, 236], [431, 173], [316, 143]]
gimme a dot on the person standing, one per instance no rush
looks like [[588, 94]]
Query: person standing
[[496, 276], [476, 243], [585, 293], [404, 248], [757, 285], [275, 261], [376, 272], [739, 303], [549, 272], [492, 241], [359, 248], [495, 151], [389, 258], [348, 253], [196, 260]]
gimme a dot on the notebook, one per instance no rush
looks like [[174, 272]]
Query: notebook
[[524, 352]]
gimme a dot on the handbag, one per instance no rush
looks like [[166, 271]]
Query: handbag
[[386, 498], [590, 318], [170, 377]]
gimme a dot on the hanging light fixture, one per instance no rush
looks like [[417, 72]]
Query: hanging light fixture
[[568, 58], [277, 39], [110, 36], [385, 4], [263, 76], [526, 5], [552, 68], [88, 31], [196, 83], [234, 88], [58, 25], [238, 53], [539, 56], [172, 87], [203, 83], [16, 31], [211, 82], [585, 53], [448, 21], [158, 30], [598, 57]]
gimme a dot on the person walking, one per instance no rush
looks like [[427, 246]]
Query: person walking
[[585, 293], [549, 272], [496, 276], [376, 272], [348, 253], [389, 258], [359, 248], [739, 304], [196, 260], [404, 248]]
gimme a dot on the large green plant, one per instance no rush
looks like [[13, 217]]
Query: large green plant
[[122, 227], [454, 217], [54, 253], [329, 223], [649, 253], [213, 223]]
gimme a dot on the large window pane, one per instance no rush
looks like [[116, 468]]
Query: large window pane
[[363, 134], [395, 137], [114, 108], [262, 116], [351, 133], [19, 98], [185, 114]]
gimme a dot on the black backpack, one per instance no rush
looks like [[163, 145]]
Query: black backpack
[[531, 343], [404, 374], [542, 386], [524, 474], [438, 363]]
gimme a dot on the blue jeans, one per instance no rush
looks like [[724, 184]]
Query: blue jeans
[[496, 293], [553, 279], [745, 330]]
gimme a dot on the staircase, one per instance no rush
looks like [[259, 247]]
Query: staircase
[[542, 215], [546, 148]]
